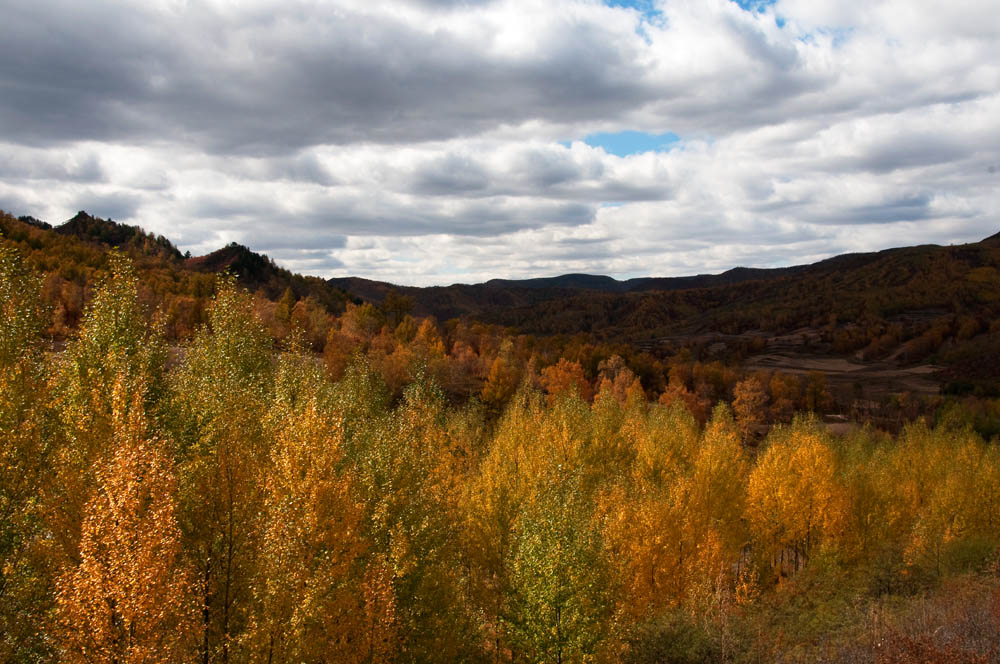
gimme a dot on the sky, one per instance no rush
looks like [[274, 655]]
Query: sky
[[428, 142]]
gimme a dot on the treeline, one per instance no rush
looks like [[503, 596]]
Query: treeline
[[227, 502]]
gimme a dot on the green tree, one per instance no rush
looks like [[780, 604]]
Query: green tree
[[283, 310], [411, 512], [560, 601], [219, 397]]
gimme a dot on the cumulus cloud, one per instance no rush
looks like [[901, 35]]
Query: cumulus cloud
[[433, 141]]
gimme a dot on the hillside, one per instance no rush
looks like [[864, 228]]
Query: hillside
[[74, 257], [928, 307], [850, 289], [854, 289], [913, 319]]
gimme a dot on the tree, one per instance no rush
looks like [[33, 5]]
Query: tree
[[283, 310], [25, 420], [361, 322], [115, 347], [559, 582], [794, 500], [785, 395], [396, 307], [403, 473], [308, 599], [502, 380], [817, 394], [749, 400], [337, 353], [565, 377], [130, 598], [646, 530], [615, 378], [715, 501], [219, 396]]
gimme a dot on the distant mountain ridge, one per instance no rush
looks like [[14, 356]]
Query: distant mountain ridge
[[856, 286], [375, 290]]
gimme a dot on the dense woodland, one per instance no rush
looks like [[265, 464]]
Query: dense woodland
[[282, 482]]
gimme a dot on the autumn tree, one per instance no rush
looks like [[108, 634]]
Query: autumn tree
[[786, 394], [794, 499], [361, 322], [954, 498], [311, 319], [396, 307], [564, 377], [307, 591], [502, 379], [24, 458], [115, 347], [615, 378], [749, 400], [717, 497], [130, 598], [817, 395], [337, 353], [464, 371]]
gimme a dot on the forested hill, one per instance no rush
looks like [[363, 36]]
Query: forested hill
[[74, 258], [961, 279]]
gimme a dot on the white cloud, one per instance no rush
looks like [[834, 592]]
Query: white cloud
[[439, 141]]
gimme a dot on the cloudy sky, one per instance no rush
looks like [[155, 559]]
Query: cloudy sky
[[439, 141]]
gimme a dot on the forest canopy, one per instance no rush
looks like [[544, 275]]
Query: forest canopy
[[230, 499]]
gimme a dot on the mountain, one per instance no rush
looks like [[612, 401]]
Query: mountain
[[257, 272], [38, 223], [573, 302], [114, 234], [856, 289], [570, 281], [74, 254]]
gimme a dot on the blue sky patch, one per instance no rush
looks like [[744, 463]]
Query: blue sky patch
[[754, 5], [647, 7], [624, 143], [650, 13]]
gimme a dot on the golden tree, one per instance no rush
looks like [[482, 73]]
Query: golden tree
[[116, 349], [502, 380], [794, 499], [129, 599], [716, 500], [25, 418], [308, 602]]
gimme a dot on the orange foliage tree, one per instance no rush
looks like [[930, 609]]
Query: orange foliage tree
[[129, 599]]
